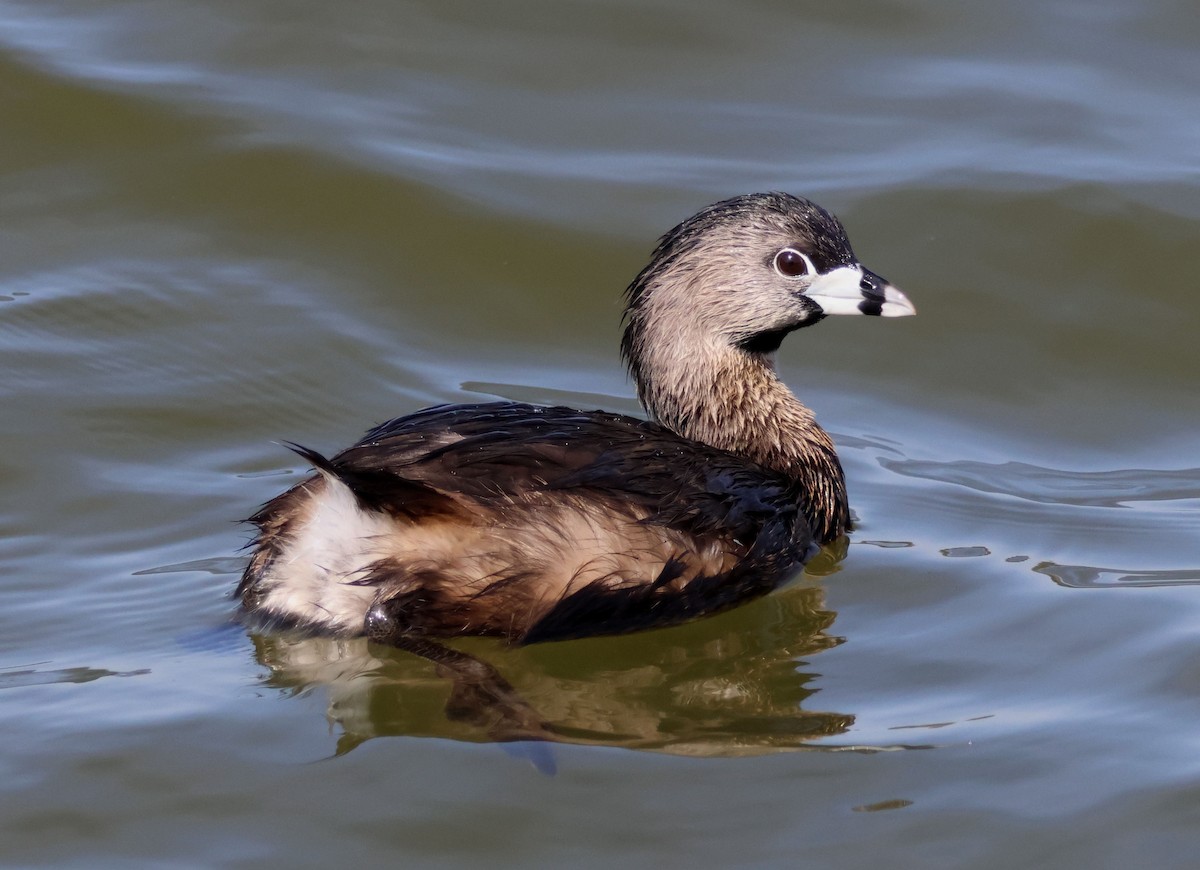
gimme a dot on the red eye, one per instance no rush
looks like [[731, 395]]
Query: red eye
[[791, 263]]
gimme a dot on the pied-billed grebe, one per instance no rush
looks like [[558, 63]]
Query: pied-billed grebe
[[538, 523]]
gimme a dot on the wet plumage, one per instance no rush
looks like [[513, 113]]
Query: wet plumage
[[538, 523]]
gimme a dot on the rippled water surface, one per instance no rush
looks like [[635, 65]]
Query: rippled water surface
[[227, 224]]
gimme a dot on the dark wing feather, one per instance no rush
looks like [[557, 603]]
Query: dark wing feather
[[380, 490], [496, 451]]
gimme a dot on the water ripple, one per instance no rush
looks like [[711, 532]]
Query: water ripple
[[1117, 488]]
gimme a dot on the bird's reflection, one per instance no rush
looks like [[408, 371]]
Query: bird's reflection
[[735, 684]]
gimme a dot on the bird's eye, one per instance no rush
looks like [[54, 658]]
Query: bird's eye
[[792, 264]]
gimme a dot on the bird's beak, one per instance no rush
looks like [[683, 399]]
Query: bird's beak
[[855, 290]]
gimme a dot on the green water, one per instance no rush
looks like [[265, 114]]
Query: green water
[[223, 225]]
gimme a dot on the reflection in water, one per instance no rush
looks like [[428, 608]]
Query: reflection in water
[[965, 552], [720, 687], [881, 806], [1088, 577], [12, 679]]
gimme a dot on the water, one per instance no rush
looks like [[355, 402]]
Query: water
[[227, 224]]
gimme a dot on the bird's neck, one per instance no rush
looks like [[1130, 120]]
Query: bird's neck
[[731, 399]]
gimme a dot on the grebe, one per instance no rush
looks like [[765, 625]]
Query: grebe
[[542, 523]]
